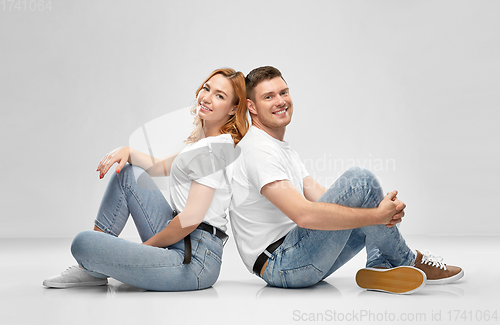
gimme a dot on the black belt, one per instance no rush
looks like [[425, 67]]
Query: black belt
[[261, 260], [203, 226]]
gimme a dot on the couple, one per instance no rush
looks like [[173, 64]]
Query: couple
[[290, 231]]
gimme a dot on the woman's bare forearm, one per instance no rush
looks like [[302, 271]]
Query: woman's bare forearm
[[171, 234], [154, 166]]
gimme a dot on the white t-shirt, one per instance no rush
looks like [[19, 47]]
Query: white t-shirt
[[205, 162], [256, 222]]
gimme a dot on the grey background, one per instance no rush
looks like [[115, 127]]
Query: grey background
[[408, 89]]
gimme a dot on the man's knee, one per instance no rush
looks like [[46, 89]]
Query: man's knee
[[359, 177]]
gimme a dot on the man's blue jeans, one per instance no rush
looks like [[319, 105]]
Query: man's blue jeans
[[309, 256], [133, 192]]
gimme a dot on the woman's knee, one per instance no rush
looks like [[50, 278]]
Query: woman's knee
[[127, 171], [131, 176], [82, 242]]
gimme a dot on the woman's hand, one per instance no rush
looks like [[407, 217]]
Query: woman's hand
[[119, 155]]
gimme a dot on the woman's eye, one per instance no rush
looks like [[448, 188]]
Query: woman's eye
[[220, 96], [205, 88]]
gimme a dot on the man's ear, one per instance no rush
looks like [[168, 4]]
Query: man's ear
[[251, 107]]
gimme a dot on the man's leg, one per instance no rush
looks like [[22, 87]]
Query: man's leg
[[308, 256]]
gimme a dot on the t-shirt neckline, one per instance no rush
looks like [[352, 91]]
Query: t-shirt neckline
[[283, 143]]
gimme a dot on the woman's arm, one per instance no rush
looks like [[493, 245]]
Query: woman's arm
[[199, 200], [153, 166]]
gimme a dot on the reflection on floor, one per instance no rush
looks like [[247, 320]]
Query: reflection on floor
[[241, 298]]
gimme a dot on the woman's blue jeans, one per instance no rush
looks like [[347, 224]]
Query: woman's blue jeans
[[133, 192], [309, 256]]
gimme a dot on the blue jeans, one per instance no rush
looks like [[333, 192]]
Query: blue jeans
[[133, 192], [308, 256]]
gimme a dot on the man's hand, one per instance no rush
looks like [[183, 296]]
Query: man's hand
[[391, 210]]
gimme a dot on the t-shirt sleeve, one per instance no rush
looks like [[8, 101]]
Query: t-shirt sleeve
[[303, 169], [207, 166], [264, 167]]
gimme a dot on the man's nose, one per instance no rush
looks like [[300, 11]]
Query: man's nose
[[281, 101]]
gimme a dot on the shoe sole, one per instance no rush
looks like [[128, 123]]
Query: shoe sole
[[451, 279], [398, 280], [74, 285]]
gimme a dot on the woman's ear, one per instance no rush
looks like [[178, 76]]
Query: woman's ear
[[233, 111]]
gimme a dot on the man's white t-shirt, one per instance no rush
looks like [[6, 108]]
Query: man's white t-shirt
[[205, 162], [255, 221]]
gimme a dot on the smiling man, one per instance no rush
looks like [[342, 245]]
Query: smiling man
[[292, 232]]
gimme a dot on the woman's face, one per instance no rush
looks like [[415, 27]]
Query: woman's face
[[216, 99]]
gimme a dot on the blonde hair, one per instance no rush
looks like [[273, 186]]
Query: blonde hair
[[237, 125]]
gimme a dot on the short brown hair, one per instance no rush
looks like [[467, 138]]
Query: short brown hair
[[258, 75]]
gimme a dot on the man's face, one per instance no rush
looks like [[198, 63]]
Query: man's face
[[272, 106]]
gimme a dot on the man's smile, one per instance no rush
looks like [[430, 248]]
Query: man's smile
[[281, 111]]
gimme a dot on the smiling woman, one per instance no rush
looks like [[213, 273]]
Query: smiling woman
[[223, 87], [182, 240]]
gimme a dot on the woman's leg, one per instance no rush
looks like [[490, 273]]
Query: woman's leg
[[160, 269], [147, 267], [133, 192]]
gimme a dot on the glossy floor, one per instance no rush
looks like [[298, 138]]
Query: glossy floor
[[241, 298]]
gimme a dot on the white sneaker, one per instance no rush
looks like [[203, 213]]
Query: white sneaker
[[74, 276]]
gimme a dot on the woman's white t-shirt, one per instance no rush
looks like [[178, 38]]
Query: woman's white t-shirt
[[207, 162]]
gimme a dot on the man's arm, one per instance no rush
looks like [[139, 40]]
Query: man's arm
[[330, 216], [312, 189]]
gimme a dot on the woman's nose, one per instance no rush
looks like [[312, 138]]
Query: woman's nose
[[206, 99]]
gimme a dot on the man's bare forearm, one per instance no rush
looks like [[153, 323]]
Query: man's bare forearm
[[330, 216]]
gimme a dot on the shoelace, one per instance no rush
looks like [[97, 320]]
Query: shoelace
[[69, 269], [429, 259]]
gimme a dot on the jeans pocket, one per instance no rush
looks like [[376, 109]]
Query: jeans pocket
[[210, 270], [301, 277]]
